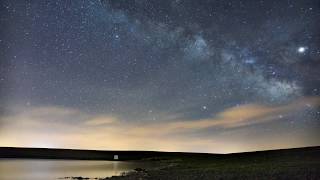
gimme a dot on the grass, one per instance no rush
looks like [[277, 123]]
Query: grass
[[281, 164]]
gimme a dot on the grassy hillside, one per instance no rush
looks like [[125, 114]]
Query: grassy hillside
[[302, 163]]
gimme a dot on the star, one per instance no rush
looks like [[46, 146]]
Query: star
[[302, 49], [204, 107]]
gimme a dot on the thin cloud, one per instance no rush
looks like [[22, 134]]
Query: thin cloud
[[234, 117], [52, 128], [101, 120]]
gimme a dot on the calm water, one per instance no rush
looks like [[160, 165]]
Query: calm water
[[52, 169]]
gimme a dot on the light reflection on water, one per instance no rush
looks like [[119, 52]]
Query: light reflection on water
[[19, 169]]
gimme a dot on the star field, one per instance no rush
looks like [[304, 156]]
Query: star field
[[165, 62]]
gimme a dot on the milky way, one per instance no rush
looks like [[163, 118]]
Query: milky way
[[202, 65]]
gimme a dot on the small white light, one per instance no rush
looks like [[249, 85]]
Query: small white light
[[115, 157], [302, 49]]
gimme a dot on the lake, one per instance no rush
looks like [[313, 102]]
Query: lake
[[22, 169]]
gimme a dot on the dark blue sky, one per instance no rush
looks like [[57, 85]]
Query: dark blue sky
[[162, 61]]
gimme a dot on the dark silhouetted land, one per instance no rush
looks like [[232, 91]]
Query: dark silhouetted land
[[299, 163]]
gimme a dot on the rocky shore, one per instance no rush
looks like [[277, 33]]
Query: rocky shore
[[192, 174]]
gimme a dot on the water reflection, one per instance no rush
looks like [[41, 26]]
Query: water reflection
[[52, 169]]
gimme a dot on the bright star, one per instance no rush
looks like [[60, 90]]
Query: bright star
[[302, 49]]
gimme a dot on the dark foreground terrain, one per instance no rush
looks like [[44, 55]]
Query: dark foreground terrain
[[300, 163]]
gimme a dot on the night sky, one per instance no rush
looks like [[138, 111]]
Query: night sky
[[182, 75]]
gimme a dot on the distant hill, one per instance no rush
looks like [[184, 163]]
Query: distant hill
[[46, 153]]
